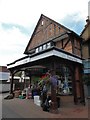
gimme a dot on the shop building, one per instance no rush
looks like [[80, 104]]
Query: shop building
[[53, 46], [4, 76], [86, 54], [86, 47]]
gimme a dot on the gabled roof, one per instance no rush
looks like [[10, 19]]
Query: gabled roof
[[43, 16]]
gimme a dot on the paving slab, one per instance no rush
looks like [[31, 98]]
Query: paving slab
[[25, 108]]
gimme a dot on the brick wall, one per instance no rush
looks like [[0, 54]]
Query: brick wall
[[45, 32]]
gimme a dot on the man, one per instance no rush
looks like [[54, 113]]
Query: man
[[53, 81]]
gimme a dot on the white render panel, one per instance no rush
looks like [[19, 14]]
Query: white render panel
[[45, 55], [26, 60], [65, 56], [41, 56], [21, 62], [58, 54]]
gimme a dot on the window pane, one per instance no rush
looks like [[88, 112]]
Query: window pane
[[44, 47], [40, 48], [36, 50], [48, 45]]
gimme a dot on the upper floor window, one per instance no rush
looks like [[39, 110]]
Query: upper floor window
[[40, 48], [44, 46], [37, 50], [42, 23], [48, 45]]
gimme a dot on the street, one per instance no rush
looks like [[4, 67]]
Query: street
[[25, 108]]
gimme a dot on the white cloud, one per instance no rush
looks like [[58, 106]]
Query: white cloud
[[89, 9], [26, 13], [12, 45]]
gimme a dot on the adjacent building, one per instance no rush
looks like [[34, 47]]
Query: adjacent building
[[86, 47], [86, 55], [4, 77]]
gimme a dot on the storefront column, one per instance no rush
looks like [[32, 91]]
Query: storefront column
[[11, 83], [78, 85], [82, 88], [30, 80], [30, 77], [77, 82], [74, 91], [54, 106]]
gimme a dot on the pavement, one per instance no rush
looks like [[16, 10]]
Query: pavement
[[25, 108]]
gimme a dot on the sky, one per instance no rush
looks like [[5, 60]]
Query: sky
[[18, 19]]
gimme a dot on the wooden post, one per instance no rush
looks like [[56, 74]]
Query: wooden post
[[79, 85], [74, 86], [54, 106], [82, 88], [77, 81], [11, 83], [30, 79]]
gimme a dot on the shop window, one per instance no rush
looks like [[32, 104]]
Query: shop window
[[64, 81]]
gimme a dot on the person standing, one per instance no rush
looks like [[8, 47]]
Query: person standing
[[53, 81]]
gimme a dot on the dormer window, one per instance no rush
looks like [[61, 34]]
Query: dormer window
[[40, 48], [44, 46], [37, 50], [49, 45]]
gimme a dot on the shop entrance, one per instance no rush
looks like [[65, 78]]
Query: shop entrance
[[65, 80], [67, 67]]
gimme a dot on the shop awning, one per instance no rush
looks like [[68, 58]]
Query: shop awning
[[44, 54]]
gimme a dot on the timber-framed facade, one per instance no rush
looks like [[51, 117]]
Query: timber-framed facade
[[54, 46]]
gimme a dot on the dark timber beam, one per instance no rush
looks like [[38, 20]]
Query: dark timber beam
[[11, 83], [66, 43], [54, 107], [80, 98]]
